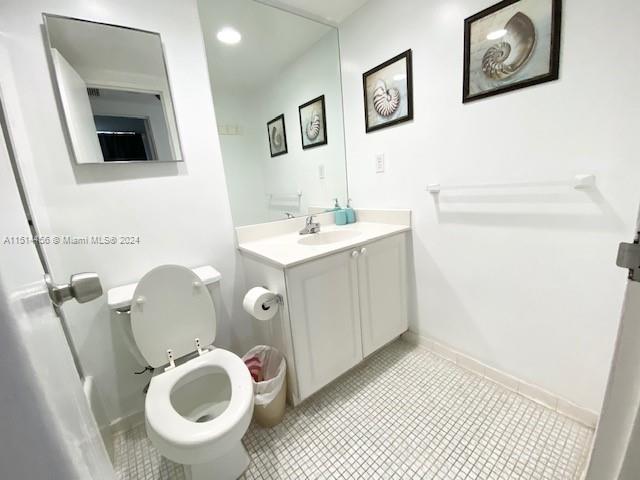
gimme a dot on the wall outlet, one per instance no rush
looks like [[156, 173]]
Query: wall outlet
[[321, 171], [379, 162]]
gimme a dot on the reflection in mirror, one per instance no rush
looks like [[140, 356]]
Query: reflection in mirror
[[277, 92], [114, 91]]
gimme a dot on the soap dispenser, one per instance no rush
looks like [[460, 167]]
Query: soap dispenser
[[350, 212], [339, 214], [335, 208]]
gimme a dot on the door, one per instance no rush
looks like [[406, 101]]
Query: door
[[77, 111], [382, 277], [325, 319], [617, 442], [47, 428]]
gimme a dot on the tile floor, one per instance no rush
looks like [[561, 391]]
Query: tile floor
[[404, 413], [136, 459]]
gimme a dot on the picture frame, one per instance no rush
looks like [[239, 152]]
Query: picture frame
[[388, 93], [277, 135], [511, 45], [313, 123]]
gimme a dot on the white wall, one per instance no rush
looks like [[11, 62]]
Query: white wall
[[524, 278], [180, 211], [243, 162]]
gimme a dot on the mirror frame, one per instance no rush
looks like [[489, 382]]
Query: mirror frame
[[60, 105]]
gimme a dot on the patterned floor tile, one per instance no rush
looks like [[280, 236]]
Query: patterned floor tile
[[136, 459], [404, 413]]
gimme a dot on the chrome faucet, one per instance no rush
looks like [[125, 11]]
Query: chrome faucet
[[289, 215], [310, 226]]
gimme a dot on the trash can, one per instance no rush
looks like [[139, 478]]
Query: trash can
[[269, 372]]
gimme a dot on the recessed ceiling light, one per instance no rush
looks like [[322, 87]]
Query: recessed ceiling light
[[229, 35], [497, 34]]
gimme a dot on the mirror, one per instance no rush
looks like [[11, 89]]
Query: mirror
[[277, 93], [114, 91]]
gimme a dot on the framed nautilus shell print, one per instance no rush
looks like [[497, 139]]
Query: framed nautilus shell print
[[388, 93], [513, 44], [277, 136], [313, 123]]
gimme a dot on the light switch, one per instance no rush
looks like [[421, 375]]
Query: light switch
[[229, 129], [379, 163], [321, 171]]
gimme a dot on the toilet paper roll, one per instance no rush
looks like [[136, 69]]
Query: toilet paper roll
[[254, 300]]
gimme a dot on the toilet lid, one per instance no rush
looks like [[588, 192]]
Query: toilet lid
[[170, 309]]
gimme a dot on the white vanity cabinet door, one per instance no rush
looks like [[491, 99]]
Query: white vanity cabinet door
[[325, 319], [383, 291]]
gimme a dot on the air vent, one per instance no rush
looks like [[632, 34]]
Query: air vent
[[93, 92]]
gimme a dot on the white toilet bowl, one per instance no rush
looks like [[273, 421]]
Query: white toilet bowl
[[197, 412]]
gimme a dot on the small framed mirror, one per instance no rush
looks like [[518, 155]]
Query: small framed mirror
[[113, 88]]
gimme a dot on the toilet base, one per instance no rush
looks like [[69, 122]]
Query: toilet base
[[227, 467]]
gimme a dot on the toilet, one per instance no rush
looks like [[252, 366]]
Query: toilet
[[200, 399]]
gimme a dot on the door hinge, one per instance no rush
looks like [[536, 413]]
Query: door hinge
[[629, 257]]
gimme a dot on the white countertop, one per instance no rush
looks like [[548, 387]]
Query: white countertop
[[285, 250]]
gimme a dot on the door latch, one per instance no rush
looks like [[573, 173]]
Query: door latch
[[84, 287], [629, 257]]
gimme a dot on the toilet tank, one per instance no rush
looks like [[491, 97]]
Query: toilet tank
[[119, 300]]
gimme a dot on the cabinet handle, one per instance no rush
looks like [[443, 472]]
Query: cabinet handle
[[355, 254], [363, 251]]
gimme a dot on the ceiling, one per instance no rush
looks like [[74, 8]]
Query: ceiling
[[271, 40], [331, 11], [92, 45]]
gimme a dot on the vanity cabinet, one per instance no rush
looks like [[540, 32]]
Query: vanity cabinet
[[344, 292], [324, 313], [382, 290], [344, 306]]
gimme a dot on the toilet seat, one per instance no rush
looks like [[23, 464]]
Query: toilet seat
[[188, 442], [171, 310]]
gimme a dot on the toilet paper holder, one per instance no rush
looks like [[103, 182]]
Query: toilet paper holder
[[277, 299]]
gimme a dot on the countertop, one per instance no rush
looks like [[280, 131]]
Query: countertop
[[285, 250]]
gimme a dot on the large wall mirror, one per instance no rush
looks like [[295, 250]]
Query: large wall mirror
[[114, 92], [277, 92]]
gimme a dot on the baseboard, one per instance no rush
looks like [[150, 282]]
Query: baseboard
[[532, 392], [102, 422], [124, 424]]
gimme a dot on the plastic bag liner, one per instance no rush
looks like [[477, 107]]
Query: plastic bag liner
[[274, 370]]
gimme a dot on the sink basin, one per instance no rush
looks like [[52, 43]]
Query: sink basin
[[326, 238]]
